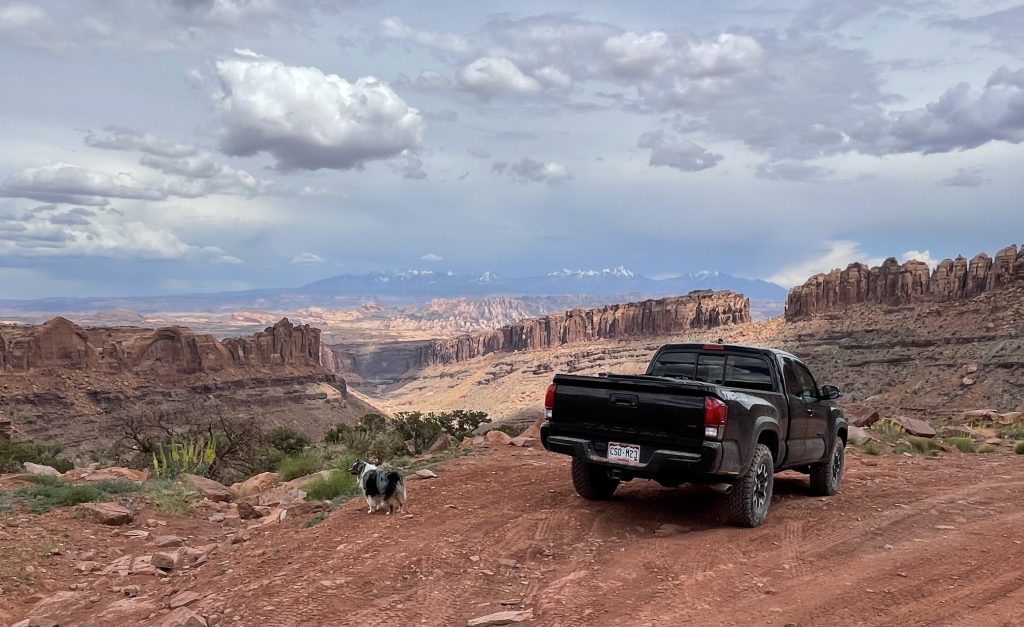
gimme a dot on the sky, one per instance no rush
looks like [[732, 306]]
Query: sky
[[172, 146]]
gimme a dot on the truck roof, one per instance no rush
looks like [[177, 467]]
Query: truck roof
[[730, 347]]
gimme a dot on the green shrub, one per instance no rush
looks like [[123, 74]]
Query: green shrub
[[871, 448], [1011, 432], [336, 485], [50, 493], [314, 520], [13, 456], [1019, 448], [287, 440], [888, 429], [988, 448], [372, 439], [118, 486], [923, 446], [6, 502], [902, 447], [965, 445], [193, 456], [170, 497], [299, 465]]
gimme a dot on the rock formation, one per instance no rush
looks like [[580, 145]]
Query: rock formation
[[700, 309], [912, 282], [61, 344]]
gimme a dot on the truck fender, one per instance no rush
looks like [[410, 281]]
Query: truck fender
[[766, 430]]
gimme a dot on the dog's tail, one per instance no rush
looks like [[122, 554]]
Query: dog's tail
[[395, 487]]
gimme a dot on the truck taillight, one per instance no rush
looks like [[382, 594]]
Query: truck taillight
[[715, 412], [549, 400]]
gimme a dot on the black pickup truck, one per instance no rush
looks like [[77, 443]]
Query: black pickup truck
[[710, 413]]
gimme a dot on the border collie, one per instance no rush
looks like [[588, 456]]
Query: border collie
[[380, 486]]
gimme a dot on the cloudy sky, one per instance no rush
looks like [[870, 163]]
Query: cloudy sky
[[162, 146]]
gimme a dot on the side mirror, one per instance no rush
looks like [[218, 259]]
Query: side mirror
[[830, 392]]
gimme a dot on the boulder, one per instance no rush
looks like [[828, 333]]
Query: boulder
[[533, 431], [915, 427], [208, 487], [866, 421], [522, 441], [967, 381], [182, 617], [107, 513], [184, 598], [258, 483], [168, 560], [857, 436], [116, 472], [506, 617], [308, 507], [423, 473], [1011, 418], [41, 470], [498, 437], [974, 415], [441, 444], [246, 511], [168, 542], [275, 516]]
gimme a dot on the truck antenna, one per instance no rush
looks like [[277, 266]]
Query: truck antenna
[[721, 341]]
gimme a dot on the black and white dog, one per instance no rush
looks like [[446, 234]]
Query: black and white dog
[[380, 486]]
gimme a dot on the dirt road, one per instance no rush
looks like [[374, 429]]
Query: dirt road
[[909, 541]]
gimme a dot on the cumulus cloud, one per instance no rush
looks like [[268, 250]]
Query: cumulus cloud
[[920, 255], [431, 257], [121, 138], [677, 153], [395, 28], [959, 120], [307, 259], [838, 254], [69, 183], [49, 231], [796, 171], [964, 177], [493, 76], [528, 170], [309, 120]]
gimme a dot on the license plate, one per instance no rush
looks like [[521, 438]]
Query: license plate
[[625, 453]]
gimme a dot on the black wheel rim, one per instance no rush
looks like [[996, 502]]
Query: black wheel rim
[[762, 477], [837, 465]]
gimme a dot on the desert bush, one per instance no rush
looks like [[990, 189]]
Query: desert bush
[[13, 455], [287, 440], [192, 456], [924, 446], [118, 486], [299, 465], [1019, 448], [376, 439], [965, 445], [6, 502], [339, 484], [871, 448], [49, 493], [371, 439], [170, 497], [1011, 432], [314, 520], [988, 448], [888, 429]]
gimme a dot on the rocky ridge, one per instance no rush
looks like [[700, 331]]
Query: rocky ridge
[[909, 283]]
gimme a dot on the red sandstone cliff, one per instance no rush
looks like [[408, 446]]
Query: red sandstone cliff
[[911, 282], [697, 310], [61, 344]]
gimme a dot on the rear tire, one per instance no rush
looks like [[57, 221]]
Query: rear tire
[[827, 476], [751, 497], [592, 482]]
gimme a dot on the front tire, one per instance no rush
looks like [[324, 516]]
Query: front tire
[[751, 497], [592, 482], [827, 476]]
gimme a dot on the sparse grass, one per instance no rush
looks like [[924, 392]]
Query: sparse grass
[[924, 446], [510, 429], [170, 497], [871, 448], [1011, 432], [299, 465], [988, 448], [118, 486], [314, 520], [13, 568], [1019, 448], [6, 502], [50, 493], [902, 447], [338, 485], [889, 430], [965, 445]]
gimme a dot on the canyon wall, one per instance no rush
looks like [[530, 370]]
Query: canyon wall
[[60, 344], [898, 284], [701, 309]]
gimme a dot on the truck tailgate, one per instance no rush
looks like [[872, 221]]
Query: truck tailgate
[[640, 410]]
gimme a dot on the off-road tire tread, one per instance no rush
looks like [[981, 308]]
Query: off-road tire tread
[[821, 474], [592, 482], [741, 498]]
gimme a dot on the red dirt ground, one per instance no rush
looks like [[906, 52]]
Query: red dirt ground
[[908, 541]]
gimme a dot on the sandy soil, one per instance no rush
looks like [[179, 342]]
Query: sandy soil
[[908, 541]]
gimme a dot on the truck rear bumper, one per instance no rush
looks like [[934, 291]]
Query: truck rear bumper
[[715, 461]]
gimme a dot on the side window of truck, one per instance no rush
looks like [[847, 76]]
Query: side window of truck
[[750, 373], [798, 380]]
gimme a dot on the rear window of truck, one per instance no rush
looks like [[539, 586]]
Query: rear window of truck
[[736, 371]]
